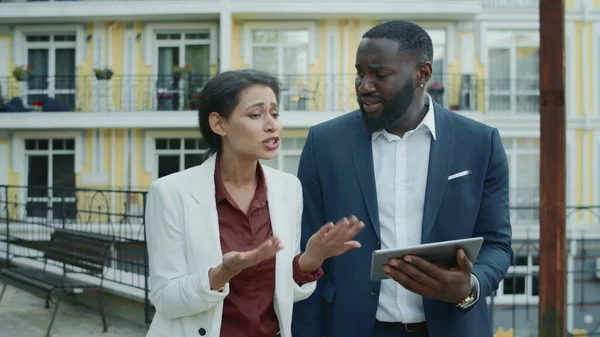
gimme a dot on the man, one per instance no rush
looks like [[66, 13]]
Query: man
[[414, 173]]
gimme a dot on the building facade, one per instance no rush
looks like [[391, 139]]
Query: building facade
[[101, 94]]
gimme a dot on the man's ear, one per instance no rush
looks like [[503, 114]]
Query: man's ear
[[424, 72]]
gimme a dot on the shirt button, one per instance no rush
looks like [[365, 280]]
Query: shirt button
[[373, 292], [202, 332]]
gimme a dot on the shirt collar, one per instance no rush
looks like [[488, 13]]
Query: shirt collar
[[428, 122]]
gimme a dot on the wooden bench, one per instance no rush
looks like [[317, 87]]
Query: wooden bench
[[80, 253]]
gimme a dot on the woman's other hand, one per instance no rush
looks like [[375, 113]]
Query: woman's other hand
[[331, 240]]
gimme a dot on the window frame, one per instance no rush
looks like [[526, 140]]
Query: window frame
[[513, 152], [181, 152], [51, 46]]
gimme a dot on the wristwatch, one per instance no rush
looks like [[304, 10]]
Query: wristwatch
[[467, 301]]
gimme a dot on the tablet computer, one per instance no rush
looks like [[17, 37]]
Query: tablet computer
[[443, 253]]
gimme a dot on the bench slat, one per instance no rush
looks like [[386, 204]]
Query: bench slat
[[80, 249]]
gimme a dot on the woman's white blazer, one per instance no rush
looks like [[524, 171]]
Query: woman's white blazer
[[182, 233]]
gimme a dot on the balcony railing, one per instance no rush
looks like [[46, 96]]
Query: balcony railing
[[20, 1], [510, 4], [310, 93], [29, 214]]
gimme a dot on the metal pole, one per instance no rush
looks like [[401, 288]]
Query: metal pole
[[553, 253]]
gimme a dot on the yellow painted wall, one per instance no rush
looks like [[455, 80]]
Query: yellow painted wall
[[13, 90], [143, 179], [13, 178]]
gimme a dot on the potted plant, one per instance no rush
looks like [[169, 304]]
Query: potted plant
[[21, 73], [178, 71], [103, 74]]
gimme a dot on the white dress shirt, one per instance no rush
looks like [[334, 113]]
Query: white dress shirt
[[401, 166]]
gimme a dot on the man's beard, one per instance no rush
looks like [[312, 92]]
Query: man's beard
[[393, 109]]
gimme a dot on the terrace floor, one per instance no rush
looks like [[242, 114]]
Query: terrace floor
[[23, 314]]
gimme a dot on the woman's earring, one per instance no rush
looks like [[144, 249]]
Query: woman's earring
[[421, 86]]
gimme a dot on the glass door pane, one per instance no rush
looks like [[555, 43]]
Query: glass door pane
[[265, 59], [437, 83], [64, 79], [64, 204], [198, 58], [37, 186], [527, 81], [167, 164], [37, 84], [167, 85], [499, 88], [297, 89]]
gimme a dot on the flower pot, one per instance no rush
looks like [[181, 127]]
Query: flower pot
[[106, 75], [22, 77]]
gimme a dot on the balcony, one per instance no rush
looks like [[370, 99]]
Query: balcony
[[165, 101], [509, 4], [52, 11], [48, 10], [427, 9]]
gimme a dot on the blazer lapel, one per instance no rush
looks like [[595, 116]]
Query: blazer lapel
[[277, 205], [440, 159], [362, 154], [205, 209]]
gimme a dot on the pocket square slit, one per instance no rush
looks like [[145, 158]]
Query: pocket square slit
[[459, 174]]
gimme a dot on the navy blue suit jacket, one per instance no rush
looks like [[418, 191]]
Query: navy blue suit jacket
[[336, 172]]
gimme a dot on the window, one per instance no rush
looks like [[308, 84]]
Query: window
[[50, 163], [513, 72], [177, 154], [524, 165], [522, 279], [188, 50], [438, 80], [52, 62], [289, 157], [285, 53]]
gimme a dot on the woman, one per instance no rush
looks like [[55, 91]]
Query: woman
[[224, 237]]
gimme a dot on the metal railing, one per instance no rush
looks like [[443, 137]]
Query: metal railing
[[28, 214], [310, 93], [514, 308]]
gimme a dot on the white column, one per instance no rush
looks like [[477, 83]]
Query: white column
[[332, 70], [468, 90], [225, 38], [4, 71]]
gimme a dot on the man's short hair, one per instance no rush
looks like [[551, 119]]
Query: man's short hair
[[413, 39]]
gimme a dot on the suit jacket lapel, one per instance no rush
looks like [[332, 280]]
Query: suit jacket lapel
[[440, 159], [362, 154]]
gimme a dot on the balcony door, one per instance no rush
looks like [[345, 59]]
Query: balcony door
[[191, 50], [284, 53], [52, 62], [50, 178]]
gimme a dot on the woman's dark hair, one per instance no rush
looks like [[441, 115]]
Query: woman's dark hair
[[222, 94]]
